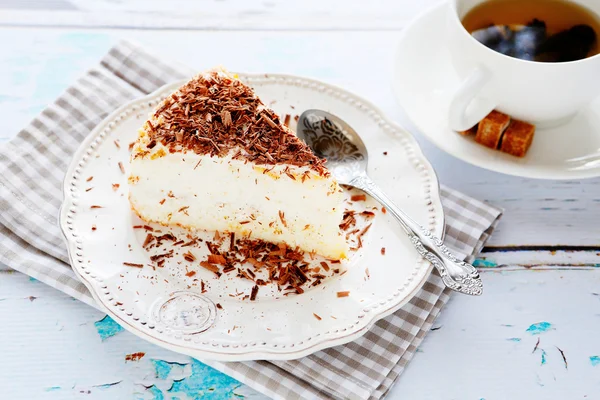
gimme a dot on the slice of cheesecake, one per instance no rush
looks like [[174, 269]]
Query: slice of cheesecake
[[213, 157]]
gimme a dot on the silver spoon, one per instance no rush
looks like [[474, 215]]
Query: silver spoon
[[331, 138]]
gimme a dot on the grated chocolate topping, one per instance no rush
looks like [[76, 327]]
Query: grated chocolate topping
[[215, 114]]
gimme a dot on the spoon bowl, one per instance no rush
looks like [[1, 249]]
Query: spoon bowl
[[346, 157]]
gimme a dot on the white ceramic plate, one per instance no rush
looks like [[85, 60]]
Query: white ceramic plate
[[423, 80], [164, 305]]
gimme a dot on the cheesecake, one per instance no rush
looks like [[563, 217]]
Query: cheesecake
[[213, 157]]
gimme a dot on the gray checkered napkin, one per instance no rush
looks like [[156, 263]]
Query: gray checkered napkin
[[32, 166]]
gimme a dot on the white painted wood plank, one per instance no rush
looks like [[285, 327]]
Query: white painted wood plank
[[539, 260], [52, 342], [483, 349], [226, 14]]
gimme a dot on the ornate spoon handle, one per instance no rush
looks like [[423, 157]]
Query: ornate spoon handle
[[456, 274]]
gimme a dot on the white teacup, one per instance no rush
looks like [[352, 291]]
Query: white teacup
[[543, 93]]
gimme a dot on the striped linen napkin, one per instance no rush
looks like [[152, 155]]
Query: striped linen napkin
[[32, 166]]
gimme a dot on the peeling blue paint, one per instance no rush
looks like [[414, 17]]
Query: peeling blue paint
[[55, 388], [514, 339], [107, 327], [595, 360], [32, 279], [543, 360], [540, 327], [163, 368], [205, 383], [157, 394], [483, 263]]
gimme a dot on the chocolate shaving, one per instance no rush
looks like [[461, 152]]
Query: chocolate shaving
[[228, 269], [383, 210], [317, 317], [254, 292], [94, 206], [383, 251], [213, 113], [121, 167], [364, 230], [190, 273], [209, 266], [128, 264], [231, 241], [149, 239], [116, 142], [216, 259], [358, 197], [345, 293], [133, 357], [115, 186], [282, 218], [189, 256], [89, 179], [159, 257]]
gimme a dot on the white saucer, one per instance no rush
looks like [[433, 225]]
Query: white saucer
[[423, 80]]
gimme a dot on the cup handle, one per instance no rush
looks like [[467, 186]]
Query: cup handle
[[466, 108]]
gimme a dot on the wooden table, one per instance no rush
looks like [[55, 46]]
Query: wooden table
[[535, 332]]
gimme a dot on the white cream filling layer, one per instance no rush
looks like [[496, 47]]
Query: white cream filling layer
[[225, 194]]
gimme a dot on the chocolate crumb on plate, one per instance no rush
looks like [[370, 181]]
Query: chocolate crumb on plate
[[317, 317], [254, 292], [344, 293], [89, 179], [358, 197], [210, 267], [128, 264], [121, 167]]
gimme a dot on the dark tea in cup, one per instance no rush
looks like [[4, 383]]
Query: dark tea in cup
[[535, 30]]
